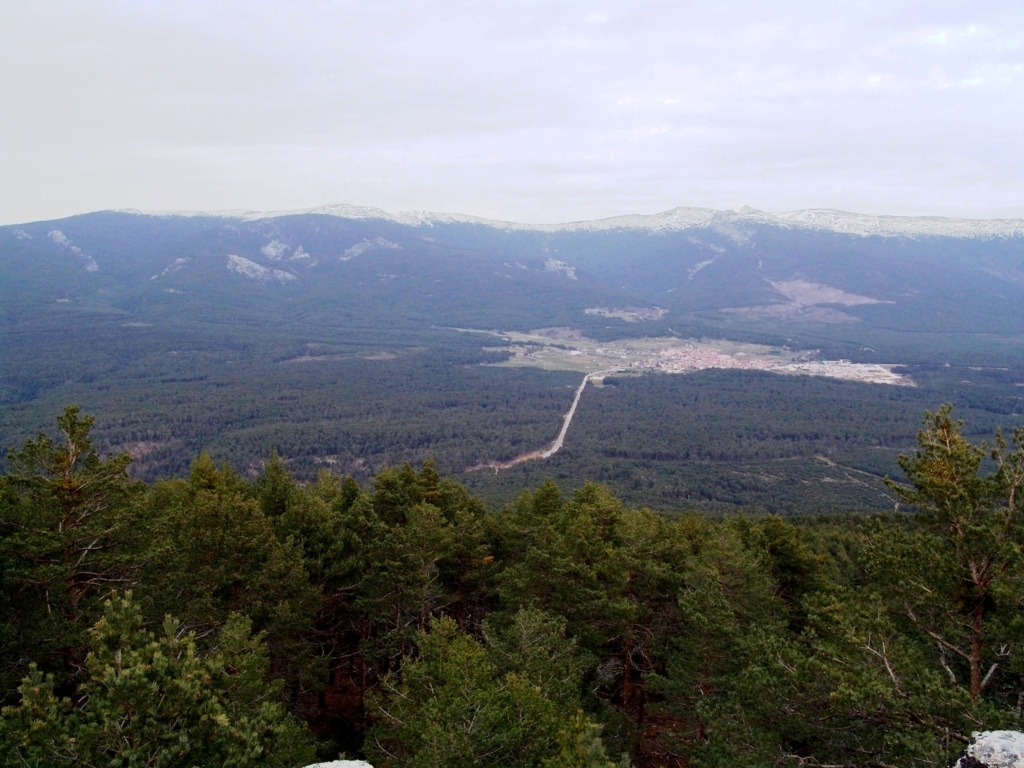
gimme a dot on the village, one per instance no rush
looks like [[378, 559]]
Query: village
[[564, 349]]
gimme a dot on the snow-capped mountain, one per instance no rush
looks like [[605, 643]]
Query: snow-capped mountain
[[742, 272], [674, 220]]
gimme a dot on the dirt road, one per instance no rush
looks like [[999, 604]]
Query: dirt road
[[555, 446]]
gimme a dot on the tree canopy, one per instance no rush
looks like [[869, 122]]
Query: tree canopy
[[272, 621]]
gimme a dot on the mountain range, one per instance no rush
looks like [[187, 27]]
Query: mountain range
[[731, 268]]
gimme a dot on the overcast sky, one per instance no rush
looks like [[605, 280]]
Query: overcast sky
[[527, 111]]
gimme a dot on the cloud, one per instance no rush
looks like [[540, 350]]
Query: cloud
[[965, 35], [534, 110]]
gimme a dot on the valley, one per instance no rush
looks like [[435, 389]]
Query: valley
[[810, 344], [567, 349]]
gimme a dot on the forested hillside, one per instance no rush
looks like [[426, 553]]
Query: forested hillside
[[214, 618]]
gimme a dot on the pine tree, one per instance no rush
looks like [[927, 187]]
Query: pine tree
[[156, 700], [463, 704], [69, 522], [976, 546]]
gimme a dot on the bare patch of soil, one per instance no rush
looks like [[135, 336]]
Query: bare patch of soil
[[569, 334], [805, 293]]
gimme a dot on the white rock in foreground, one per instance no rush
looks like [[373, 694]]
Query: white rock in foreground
[[994, 749], [342, 764]]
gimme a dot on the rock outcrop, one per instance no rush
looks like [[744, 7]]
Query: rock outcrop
[[994, 749]]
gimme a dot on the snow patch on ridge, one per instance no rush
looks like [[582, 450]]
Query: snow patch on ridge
[[173, 267], [59, 238], [674, 220], [274, 250], [64, 242], [254, 271], [365, 245], [898, 226], [699, 266], [554, 265]]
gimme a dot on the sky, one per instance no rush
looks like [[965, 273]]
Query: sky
[[525, 111]]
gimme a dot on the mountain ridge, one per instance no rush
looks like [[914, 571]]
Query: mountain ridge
[[708, 268], [676, 219]]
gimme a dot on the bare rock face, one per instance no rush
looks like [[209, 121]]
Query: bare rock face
[[994, 749], [342, 764]]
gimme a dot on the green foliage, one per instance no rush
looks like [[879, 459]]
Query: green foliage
[[534, 645], [414, 544], [155, 700], [580, 746], [218, 552], [974, 542], [727, 617], [410, 624], [69, 531], [275, 488], [559, 556], [461, 703], [214, 552]]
